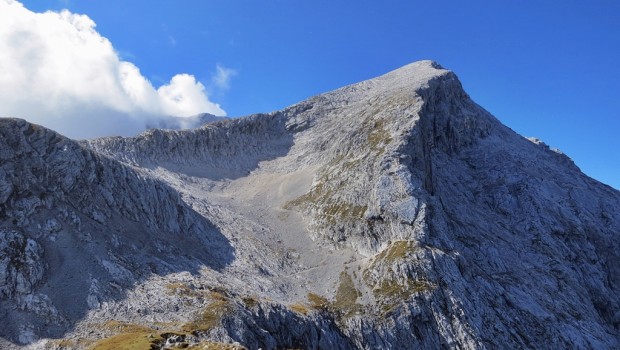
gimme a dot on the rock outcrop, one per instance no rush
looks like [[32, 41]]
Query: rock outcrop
[[21, 264], [392, 213], [73, 220]]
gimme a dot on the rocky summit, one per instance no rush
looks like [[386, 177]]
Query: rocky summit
[[394, 213]]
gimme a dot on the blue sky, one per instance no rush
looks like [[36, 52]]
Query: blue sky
[[547, 69]]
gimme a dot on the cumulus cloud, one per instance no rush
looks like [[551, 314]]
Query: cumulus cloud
[[58, 71]]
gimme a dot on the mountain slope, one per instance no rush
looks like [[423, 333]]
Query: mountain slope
[[77, 228], [392, 213]]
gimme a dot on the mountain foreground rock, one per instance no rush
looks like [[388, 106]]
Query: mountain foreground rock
[[390, 214]]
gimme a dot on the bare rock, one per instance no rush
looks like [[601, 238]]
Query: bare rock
[[391, 213], [21, 264]]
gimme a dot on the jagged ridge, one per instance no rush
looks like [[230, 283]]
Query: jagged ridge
[[463, 233]]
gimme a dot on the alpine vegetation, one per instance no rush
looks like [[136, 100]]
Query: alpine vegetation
[[394, 213]]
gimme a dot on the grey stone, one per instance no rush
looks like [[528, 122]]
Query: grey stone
[[394, 213]]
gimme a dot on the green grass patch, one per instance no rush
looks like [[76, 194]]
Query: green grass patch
[[209, 318], [391, 289], [322, 198], [314, 196], [318, 302], [345, 210], [249, 301], [390, 294], [378, 137], [396, 250], [131, 336], [300, 309], [130, 341], [346, 296]]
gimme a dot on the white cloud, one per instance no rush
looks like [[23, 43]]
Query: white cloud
[[222, 77], [184, 95], [58, 71]]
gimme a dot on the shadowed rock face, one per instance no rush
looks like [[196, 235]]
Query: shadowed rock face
[[72, 220], [392, 213]]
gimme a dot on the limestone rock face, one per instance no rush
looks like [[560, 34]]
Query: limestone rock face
[[394, 213], [21, 264], [77, 228]]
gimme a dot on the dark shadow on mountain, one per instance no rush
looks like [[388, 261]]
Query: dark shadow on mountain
[[103, 227]]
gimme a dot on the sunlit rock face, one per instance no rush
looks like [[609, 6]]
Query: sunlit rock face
[[394, 213]]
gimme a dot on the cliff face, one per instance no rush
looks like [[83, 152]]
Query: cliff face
[[77, 228], [392, 213]]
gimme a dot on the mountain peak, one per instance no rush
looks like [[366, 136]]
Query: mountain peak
[[420, 68], [415, 75], [391, 213]]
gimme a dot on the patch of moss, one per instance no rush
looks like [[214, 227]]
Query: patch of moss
[[218, 295], [395, 251], [129, 336], [313, 196], [345, 210], [391, 293], [379, 136], [390, 290], [176, 287], [129, 341], [209, 318], [342, 161], [134, 336], [152, 341], [317, 301], [249, 301], [323, 199], [300, 309], [335, 211], [346, 296]]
